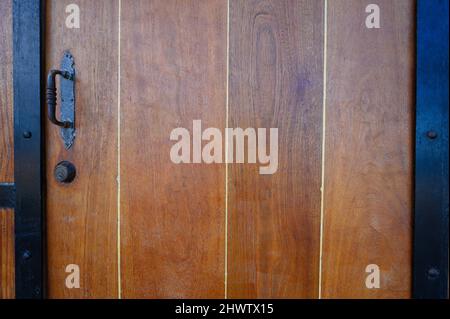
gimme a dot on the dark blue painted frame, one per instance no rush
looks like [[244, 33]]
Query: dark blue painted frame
[[430, 265], [28, 64], [7, 195]]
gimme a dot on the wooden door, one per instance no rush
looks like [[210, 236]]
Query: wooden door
[[139, 225]]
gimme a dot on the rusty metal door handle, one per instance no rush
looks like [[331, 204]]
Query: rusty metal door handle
[[51, 97], [67, 84]]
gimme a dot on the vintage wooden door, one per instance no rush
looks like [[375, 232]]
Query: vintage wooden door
[[139, 225]]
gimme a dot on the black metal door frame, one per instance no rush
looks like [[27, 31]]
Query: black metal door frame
[[430, 262], [28, 54]]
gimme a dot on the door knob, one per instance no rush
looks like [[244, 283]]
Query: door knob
[[67, 84], [65, 172]]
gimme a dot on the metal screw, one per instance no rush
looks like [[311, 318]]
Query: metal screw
[[27, 134], [431, 135], [433, 273], [26, 254]]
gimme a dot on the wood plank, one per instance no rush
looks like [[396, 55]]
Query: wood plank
[[82, 216], [276, 80], [6, 150], [173, 62], [368, 169], [6, 253], [6, 95]]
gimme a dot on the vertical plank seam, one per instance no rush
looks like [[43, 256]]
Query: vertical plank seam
[[119, 275], [324, 101], [226, 150]]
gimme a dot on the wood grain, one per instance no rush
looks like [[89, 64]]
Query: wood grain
[[6, 95], [6, 253], [6, 150], [276, 63], [173, 63], [368, 152], [82, 216]]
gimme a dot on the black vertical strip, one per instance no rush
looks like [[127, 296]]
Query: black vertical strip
[[431, 178], [7, 195], [28, 154]]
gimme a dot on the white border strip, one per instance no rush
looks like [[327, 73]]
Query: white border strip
[[324, 120], [226, 151], [119, 274]]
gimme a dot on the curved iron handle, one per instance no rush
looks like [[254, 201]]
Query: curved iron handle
[[51, 97]]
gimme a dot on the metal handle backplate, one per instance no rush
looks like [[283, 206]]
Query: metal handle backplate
[[67, 85]]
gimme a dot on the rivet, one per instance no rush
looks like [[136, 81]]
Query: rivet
[[26, 254], [431, 135], [37, 291], [433, 273], [27, 134]]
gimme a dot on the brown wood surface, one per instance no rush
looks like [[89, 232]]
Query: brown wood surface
[[173, 71], [81, 217], [6, 149], [177, 239], [6, 253], [6, 94], [368, 169], [276, 80]]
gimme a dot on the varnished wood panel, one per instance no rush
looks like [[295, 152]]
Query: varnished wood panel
[[6, 149], [6, 253], [368, 168], [173, 71], [6, 94], [276, 61], [82, 216]]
